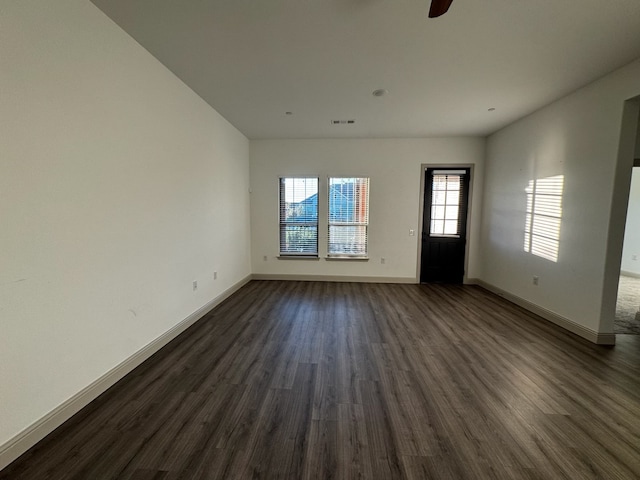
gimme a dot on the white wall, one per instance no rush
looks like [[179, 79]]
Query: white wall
[[632, 230], [578, 137], [118, 187], [394, 166]]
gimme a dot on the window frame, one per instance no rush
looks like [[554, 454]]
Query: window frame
[[342, 255], [283, 223], [462, 173]]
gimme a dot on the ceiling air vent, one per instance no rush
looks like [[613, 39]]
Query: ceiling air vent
[[342, 122]]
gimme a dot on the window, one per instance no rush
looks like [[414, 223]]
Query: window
[[348, 216], [446, 190], [298, 216], [544, 217]]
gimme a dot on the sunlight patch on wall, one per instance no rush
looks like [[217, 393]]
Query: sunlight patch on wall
[[544, 217]]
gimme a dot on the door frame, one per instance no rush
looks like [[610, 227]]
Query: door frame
[[421, 201], [629, 132]]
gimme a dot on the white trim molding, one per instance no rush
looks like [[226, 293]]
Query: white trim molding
[[332, 278], [629, 274], [31, 435], [580, 330]]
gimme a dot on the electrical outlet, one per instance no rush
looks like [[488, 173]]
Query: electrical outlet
[[536, 280], [195, 285], [412, 232], [215, 275]]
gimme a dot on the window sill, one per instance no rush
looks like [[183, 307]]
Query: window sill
[[298, 257], [341, 258]]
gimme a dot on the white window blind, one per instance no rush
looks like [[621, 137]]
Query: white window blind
[[348, 216], [298, 216], [446, 192]]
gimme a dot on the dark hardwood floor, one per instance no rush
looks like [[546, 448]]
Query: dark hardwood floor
[[308, 380]]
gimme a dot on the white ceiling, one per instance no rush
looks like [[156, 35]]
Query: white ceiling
[[253, 60]]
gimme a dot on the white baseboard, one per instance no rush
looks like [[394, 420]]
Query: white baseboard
[[629, 274], [22, 442], [331, 278], [570, 325]]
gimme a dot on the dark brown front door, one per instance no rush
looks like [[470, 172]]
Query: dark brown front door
[[444, 230]]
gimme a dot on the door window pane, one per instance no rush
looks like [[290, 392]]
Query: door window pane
[[451, 213], [453, 198], [450, 227], [445, 200]]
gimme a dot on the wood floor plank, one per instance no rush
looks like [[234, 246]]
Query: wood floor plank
[[384, 453], [320, 459], [354, 453], [377, 381]]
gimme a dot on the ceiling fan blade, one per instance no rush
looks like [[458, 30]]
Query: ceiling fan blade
[[439, 7]]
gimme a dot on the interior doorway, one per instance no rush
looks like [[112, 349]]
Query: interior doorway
[[444, 224], [627, 318], [628, 150]]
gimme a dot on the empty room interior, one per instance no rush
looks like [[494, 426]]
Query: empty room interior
[[319, 239]]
